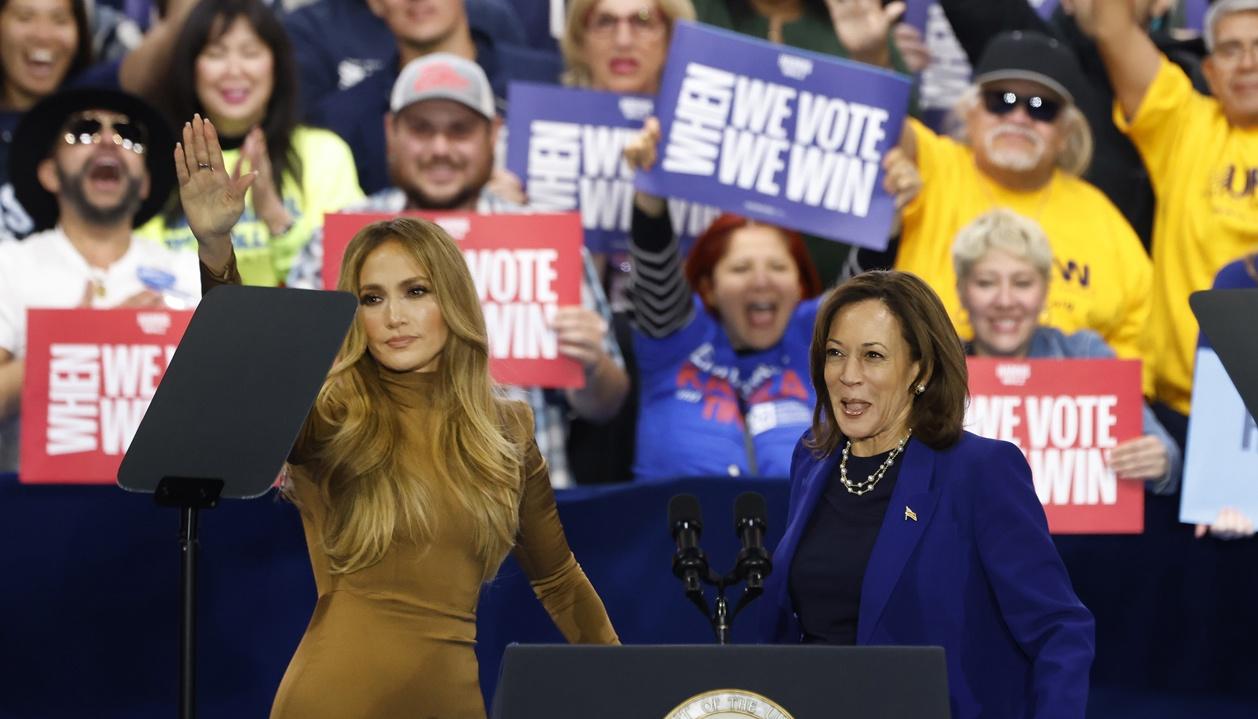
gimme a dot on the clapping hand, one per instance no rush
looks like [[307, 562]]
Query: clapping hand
[[212, 199], [267, 203], [863, 26]]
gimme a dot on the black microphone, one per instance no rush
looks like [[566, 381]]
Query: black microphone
[[685, 518], [749, 524]]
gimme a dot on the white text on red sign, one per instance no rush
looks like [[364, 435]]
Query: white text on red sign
[[1063, 437], [98, 393]]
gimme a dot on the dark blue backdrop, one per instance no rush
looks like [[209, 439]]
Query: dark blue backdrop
[[89, 596]]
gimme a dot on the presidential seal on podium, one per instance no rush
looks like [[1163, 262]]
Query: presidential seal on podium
[[728, 704]]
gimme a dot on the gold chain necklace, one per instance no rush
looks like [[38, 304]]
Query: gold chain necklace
[[867, 486]]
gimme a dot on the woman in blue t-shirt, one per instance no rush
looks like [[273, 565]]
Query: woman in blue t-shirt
[[721, 344], [723, 373]]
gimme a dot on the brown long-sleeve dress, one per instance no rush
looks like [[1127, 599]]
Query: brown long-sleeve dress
[[396, 639]]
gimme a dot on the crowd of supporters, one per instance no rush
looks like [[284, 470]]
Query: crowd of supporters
[[1101, 166]]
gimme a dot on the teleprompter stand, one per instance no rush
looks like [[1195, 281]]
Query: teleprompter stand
[[227, 412], [190, 496]]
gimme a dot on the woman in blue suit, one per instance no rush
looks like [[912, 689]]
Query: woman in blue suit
[[905, 529]]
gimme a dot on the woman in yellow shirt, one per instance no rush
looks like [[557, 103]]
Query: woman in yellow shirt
[[233, 64]]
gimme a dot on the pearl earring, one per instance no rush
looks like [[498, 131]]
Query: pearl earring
[[920, 389]]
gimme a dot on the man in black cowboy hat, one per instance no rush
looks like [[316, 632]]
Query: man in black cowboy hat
[[88, 165]]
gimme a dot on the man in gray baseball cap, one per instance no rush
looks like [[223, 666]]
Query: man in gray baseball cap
[[440, 133]]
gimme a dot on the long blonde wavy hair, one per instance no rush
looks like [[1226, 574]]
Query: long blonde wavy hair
[[371, 492]]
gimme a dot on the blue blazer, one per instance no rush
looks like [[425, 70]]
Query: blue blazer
[[976, 573]]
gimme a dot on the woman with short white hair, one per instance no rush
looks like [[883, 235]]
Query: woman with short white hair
[[1004, 264]]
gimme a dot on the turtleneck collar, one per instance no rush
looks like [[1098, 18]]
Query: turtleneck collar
[[409, 389]]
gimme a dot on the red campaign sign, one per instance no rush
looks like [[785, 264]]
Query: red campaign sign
[[525, 267], [90, 375], [1065, 416]]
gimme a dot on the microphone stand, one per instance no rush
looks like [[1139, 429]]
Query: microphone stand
[[720, 617], [691, 565]]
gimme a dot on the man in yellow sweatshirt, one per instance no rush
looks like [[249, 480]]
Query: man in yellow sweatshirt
[[1202, 156]]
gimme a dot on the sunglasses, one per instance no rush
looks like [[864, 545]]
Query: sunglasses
[[86, 129], [1037, 107]]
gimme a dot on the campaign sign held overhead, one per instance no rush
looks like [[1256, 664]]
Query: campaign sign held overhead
[[567, 146], [777, 134], [916, 13]]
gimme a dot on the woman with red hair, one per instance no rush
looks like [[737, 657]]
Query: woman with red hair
[[723, 382]]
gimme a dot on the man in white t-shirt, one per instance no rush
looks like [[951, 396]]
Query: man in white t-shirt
[[88, 165]]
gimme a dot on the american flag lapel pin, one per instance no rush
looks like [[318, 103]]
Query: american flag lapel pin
[[909, 514]]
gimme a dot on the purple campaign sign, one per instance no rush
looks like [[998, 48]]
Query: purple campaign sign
[[916, 12], [566, 146], [777, 134], [1195, 14]]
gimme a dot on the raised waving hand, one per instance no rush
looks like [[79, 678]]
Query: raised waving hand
[[213, 199]]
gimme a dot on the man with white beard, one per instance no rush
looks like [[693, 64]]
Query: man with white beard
[[1023, 145]]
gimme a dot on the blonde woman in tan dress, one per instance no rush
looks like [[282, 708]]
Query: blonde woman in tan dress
[[414, 479]]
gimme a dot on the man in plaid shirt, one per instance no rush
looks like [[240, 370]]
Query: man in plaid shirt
[[441, 133]]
